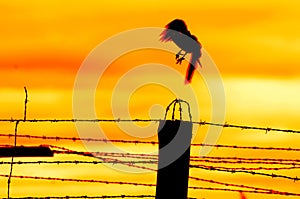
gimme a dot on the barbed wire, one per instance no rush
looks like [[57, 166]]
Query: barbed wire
[[245, 162], [79, 162], [59, 138], [132, 162], [80, 180], [256, 190], [245, 191], [112, 158], [201, 123], [154, 158], [280, 160], [239, 160], [244, 186], [251, 168], [89, 197], [212, 168]]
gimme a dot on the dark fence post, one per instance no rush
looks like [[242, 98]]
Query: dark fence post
[[174, 138]]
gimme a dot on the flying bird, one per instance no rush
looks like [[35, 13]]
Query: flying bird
[[177, 32]]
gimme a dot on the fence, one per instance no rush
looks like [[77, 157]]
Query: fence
[[140, 160]]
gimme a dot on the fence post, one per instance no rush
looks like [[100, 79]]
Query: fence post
[[174, 138]]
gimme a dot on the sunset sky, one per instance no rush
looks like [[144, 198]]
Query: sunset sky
[[255, 46]]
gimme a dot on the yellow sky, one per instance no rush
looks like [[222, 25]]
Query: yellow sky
[[255, 45]]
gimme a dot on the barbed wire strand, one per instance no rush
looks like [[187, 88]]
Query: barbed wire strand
[[148, 184], [201, 123], [194, 178], [239, 160], [89, 197], [268, 162], [251, 168], [80, 180], [244, 191], [59, 138], [247, 159], [132, 162], [79, 162], [231, 170], [244, 186], [212, 168]]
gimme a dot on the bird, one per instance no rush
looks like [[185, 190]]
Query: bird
[[178, 32]]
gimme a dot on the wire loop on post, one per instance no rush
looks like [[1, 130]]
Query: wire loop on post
[[179, 102]]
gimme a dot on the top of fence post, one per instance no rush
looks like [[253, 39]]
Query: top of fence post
[[179, 102]]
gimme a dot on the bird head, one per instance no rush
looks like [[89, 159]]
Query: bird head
[[177, 25]]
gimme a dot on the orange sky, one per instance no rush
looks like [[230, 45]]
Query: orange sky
[[255, 45]]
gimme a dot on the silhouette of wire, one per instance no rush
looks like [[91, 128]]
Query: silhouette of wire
[[91, 197], [245, 162], [201, 123], [222, 169], [245, 191], [60, 138], [212, 168], [80, 180], [250, 168], [88, 197], [212, 159], [244, 186], [248, 160], [257, 190], [132, 162], [80, 162], [230, 160]]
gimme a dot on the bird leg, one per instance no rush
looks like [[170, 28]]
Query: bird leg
[[179, 60], [178, 54]]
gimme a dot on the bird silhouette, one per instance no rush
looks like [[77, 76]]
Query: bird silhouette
[[177, 32]]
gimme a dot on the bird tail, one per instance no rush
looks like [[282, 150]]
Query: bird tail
[[191, 68], [242, 195]]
